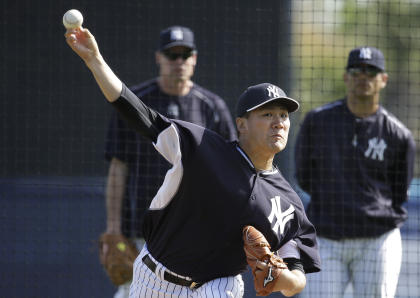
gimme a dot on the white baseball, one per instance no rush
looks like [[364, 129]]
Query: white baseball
[[72, 19]]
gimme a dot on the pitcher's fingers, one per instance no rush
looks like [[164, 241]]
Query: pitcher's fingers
[[86, 33], [71, 39]]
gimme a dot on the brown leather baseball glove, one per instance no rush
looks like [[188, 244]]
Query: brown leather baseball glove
[[117, 255], [257, 249]]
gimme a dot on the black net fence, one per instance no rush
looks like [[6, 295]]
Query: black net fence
[[54, 122]]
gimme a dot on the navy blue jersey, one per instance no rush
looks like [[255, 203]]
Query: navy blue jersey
[[356, 170], [146, 167], [194, 223]]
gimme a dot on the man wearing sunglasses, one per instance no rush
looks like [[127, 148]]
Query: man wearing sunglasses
[[355, 160], [136, 169]]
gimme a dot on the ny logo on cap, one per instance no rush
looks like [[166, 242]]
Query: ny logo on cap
[[176, 34], [365, 53], [273, 91]]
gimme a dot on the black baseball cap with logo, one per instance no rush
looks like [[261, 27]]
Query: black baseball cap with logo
[[261, 94], [176, 36], [366, 55]]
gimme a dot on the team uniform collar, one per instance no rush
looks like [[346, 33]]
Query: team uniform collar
[[346, 108], [248, 160]]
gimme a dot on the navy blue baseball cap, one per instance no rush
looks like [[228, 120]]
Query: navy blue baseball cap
[[366, 55], [261, 94], [176, 36]]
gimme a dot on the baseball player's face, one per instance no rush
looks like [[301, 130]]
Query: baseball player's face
[[364, 82], [266, 129], [177, 63]]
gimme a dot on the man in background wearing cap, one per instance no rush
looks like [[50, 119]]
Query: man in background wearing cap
[[356, 160], [194, 226], [136, 170]]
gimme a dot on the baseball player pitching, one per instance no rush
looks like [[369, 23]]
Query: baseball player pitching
[[136, 169], [220, 202]]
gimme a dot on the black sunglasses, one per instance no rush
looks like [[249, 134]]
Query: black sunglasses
[[173, 56], [370, 71]]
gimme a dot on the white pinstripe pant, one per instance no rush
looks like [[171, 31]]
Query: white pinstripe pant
[[148, 284], [372, 265], [124, 289]]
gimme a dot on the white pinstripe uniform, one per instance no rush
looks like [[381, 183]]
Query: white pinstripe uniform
[[123, 290], [375, 265], [152, 284]]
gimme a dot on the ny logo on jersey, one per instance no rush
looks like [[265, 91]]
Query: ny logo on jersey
[[365, 53], [273, 91], [376, 149], [280, 217]]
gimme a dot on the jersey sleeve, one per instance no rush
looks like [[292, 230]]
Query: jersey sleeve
[[308, 248], [403, 171], [289, 250], [305, 241], [139, 116], [303, 151]]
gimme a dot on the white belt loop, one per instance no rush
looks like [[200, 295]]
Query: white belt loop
[[160, 271]]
